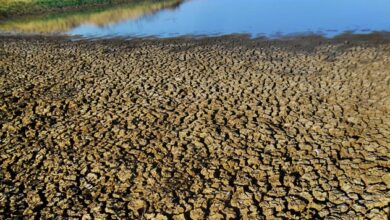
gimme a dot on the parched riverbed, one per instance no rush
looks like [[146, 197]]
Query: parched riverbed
[[215, 128]]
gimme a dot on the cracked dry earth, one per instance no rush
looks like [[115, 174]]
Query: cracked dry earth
[[219, 128]]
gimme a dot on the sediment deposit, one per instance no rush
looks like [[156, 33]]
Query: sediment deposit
[[217, 128]]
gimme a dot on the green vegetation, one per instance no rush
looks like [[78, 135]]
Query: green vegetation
[[9, 8], [62, 22]]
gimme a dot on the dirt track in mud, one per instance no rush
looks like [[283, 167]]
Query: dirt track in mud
[[212, 128]]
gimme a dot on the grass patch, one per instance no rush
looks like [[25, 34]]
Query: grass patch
[[63, 22], [9, 8]]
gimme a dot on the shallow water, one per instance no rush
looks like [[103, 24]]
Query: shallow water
[[270, 18]]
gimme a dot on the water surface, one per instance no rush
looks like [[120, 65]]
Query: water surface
[[271, 18]]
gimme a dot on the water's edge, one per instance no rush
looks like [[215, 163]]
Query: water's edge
[[306, 40]]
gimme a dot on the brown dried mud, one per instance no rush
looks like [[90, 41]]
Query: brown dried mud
[[217, 128]]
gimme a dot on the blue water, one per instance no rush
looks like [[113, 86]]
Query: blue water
[[271, 18]]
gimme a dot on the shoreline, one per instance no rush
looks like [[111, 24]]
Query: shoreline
[[374, 37], [63, 22], [195, 128], [42, 10]]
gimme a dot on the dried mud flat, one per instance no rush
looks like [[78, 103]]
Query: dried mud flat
[[217, 128]]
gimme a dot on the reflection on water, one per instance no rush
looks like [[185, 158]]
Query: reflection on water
[[216, 17], [64, 22]]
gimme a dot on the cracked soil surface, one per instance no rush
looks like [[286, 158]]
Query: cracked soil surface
[[215, 128]]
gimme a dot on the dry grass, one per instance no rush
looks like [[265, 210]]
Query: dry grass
[[65, 21], [9, 8]]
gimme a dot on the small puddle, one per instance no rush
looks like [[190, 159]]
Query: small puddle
[[173, 18]]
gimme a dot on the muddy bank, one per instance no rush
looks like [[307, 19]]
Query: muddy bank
[[215, 128]]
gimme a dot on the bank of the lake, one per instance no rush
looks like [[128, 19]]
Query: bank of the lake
[[63, 22], [212, 128], [16, 8]]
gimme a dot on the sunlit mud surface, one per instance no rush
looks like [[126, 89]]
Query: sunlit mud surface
[[191, 129]]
